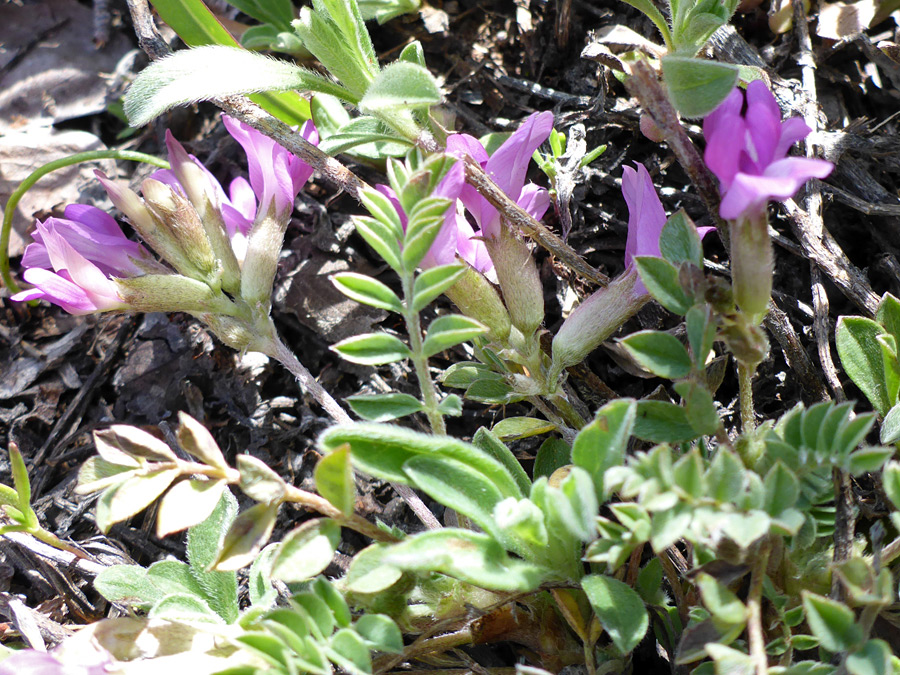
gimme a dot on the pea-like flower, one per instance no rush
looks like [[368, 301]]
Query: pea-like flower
[[74, 261], [746, 148]]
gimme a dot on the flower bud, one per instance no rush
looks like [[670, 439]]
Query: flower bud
[[181, 220], [752, 266], [519, 281], [200, 190], [477, 298], [594, 320]]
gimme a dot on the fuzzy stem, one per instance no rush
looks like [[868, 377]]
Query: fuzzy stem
[[420, 361], [79, 158], [755, 634], [745, 381]]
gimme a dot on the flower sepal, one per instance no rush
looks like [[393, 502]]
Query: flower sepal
[[519, 280], [173, 293], [477, 297]]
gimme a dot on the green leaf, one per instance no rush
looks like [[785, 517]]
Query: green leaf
[[517, 428], [372, 349], [348, 651], [721, 602], [260, 589], [432, 282], [463, 373], [183, 608], [485, 440], [201, 73], [553, 454], [197, 26], [368, 573], [862, 358], [832, 623], [662, 422], [384, 407], [782, 489], [380, 237], [196, 440], [401, 85], [650, 10], [660, 353], [128, 585], [493, 391], [383, 210], [661, 279], [699, 407], [188, 503], [335, 601], [619, 608], [457, 486], [381, 450], [873, 658], [21, 483], [888, 315], [701, 331], [451, 405], [679, 241], [279, 13], [891, 482], [306, 550], [469, 556], [258, 481], [245, 538], [138, 492], [697, 86], [449, 331], [426, 218], [334, 480], [868, 460], [367, 291], [380, 633], [725, 475], [729, 661], [688, 475], [890, 428], [601, 444], [203, 540]]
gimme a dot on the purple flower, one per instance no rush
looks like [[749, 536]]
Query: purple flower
[[32, 662], [646, 216], [75, 260], [507, 168], [276, 175], [747, 150]]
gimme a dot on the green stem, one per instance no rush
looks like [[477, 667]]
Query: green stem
[[420, 361], [748, 414], [36, 175]]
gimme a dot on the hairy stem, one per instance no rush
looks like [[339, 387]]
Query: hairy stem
[[420, 361], [755, 633], [748, 414]]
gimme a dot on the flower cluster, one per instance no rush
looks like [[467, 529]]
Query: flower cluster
[[216, 244], [746, 148]]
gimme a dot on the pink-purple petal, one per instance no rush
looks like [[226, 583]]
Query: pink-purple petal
[[535, 200]]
